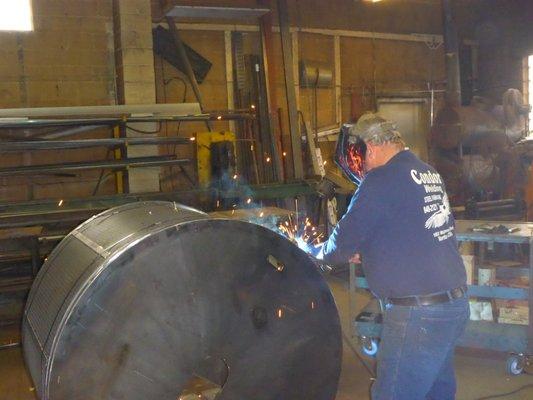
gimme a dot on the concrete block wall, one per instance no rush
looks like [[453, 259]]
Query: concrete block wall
[[64, 61], [67, 60]]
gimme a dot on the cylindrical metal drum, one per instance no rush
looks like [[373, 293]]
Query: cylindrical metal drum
[[154, 300]]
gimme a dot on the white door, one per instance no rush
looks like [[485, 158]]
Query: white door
[[412, 120]]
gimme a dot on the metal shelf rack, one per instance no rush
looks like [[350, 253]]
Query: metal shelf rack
[[516, 340]]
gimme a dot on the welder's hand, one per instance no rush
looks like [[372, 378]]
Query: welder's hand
[[356, 259], [307, 247]]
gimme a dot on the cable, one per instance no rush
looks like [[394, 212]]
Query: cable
[[146, 132], [354, 351], [184, 99], [497, 396], [101, 177], [373, 376]]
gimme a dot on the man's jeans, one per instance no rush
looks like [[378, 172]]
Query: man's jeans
[[415, 359]]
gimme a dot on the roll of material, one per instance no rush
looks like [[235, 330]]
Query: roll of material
[[143, 299], [315, 75]]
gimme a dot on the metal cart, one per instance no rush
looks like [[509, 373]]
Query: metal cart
[[515, 340]]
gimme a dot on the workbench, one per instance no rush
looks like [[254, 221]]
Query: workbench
[[513, 339]]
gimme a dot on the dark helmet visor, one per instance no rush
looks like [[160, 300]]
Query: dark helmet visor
[[350, 155]]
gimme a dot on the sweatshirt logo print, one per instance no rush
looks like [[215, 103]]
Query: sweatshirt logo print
[[436, 200], [441, 216]]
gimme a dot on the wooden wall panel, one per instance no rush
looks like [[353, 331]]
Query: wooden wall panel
[[318, 49], [389, 68]]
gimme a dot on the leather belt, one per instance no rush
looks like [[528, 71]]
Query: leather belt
[[430, 299]]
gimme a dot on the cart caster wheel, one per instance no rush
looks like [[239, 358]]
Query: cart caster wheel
[[370, 347], [515, 365]]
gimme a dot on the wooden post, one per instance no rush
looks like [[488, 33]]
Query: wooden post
[[229, 75], [338, 88], [296, 67]]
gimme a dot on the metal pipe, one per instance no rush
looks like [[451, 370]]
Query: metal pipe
[[61, 133], [451, 51], [490, 209], [294, 126], [9, 146], [489, 203], [39, 123], [70, 167], [111, 110]]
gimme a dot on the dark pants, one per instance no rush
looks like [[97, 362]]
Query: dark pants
[[415, 359]]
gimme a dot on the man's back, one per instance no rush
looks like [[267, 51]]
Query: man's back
[[401, 224], [417, 252]]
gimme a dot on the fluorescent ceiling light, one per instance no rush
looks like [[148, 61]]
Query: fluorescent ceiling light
[[16, 15]]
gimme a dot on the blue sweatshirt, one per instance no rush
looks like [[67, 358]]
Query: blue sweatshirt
[[400, 222]]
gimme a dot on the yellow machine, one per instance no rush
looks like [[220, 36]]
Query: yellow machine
[[215, 154]]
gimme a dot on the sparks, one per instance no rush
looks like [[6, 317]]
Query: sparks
[[303, 234], [192, 138], [268, 159], [249, 201], [60, 203]]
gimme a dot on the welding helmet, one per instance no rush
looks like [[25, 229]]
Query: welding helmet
[[350, 154]]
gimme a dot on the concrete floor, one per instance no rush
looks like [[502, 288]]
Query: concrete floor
[[477, 377]]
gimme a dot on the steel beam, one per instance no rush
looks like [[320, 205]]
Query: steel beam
[[13, 146], [40, 123], [216, 12], [78, 166], [41, 212], [286, 46], [102, 111]]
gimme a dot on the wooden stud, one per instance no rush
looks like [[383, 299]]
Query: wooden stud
[[296, 67], [229, 75], [338, 88]]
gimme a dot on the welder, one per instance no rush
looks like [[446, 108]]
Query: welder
[[399, 225]]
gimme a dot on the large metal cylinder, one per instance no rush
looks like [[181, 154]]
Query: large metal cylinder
[[143, 299]]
